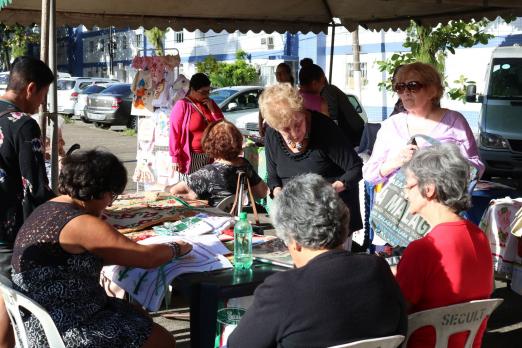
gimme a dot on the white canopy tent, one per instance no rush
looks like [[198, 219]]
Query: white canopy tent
[[243, 15]]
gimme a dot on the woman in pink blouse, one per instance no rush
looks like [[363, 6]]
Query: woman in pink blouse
[[420, 89]]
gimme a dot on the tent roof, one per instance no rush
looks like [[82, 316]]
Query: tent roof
[[267, 15]]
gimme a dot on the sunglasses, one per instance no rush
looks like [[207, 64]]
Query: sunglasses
[[412, 86]]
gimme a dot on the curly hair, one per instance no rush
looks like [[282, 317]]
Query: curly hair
[[87, 175], [279, 103], [222, 140], [445, 167], [428, 76], [310, 212]]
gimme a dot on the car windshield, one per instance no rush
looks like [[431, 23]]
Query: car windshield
[[221, 94], [93, 89], [4, 79], [122, 89], [506, 78], [64, 85]]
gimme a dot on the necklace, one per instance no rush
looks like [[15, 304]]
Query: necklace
[[298, 145]]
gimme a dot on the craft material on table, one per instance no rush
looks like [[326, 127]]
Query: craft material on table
[[195, 225], [274, 252], [148, 286]]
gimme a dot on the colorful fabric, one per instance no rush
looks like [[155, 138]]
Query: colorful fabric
[[67, 286], [148, 286], [180, 137], [194, 226], [394, 134], [450, 265], [23, 178], [497, 223]]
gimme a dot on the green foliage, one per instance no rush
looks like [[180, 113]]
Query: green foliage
[[459, 91], [229, 74], [13, 42], [156, 37], [431, 45]]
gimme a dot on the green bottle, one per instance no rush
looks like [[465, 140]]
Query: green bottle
[[242, 243]]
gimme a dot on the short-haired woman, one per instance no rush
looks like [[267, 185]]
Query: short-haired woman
[[218, 180], [420, 89], [452, 263], [331, 297], [189, 118], [61, 248], [300, 141]]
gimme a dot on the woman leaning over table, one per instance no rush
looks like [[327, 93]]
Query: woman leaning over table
[[61, 248], [332, 297], [300, 141], [452, 263], [420, 89], [189, 118]]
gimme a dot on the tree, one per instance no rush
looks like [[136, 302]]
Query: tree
[[432, 44], [229, 74], [13, 42], [156, 37]]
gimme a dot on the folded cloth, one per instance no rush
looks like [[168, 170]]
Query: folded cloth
[[194, 226], [148, 286]]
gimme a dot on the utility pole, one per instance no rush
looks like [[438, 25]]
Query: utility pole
[[356, 62]]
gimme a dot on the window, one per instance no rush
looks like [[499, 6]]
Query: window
[[124, 42], [350, 72], [84, 85], [91, 46], [139, 40], [101, 46], [178, 36]]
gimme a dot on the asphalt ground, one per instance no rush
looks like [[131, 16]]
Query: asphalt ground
[[504, 326]]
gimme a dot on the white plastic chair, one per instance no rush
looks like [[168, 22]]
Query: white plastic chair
[[381, 342], [13, 301], [462, 317]]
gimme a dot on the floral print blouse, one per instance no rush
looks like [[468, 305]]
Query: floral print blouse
[[23, 180]]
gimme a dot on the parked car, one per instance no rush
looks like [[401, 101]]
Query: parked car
[[111, 107], [240, 106], [81, 103], [4, 79], [69, 88], [238, 103]]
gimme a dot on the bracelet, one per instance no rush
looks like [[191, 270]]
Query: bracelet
[[176, 250]]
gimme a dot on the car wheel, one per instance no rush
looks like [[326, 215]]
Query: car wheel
[[133, 122], [85, 120], [102, 125]]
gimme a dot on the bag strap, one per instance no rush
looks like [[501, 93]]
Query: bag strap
[[197, 109], [242, 175], [427, 138]]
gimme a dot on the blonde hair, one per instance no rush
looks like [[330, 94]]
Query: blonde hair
[[279, 104], [428, 76]]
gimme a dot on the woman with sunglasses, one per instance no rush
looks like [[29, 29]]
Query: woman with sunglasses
[[61, 248], [420, 89], [189, 118]]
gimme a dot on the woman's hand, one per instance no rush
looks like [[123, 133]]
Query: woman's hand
[[396, 162], [276, 191], [208, 103], [338, 186], [184, 248]]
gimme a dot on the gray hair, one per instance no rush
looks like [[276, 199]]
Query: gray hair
[[310, 212], [447, 169]]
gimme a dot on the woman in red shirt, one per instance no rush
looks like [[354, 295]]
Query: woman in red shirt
[[188, 120], [452, 263]]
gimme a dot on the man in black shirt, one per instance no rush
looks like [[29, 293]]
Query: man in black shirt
[[23, 180]]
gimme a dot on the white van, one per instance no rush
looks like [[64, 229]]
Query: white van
[[500, 122]]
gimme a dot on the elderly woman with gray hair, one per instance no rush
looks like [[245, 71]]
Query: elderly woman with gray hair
[[331, 297], [452, 263]]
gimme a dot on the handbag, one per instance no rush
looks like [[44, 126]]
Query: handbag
[[390, 217]]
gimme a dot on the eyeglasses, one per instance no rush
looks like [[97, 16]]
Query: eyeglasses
[[408, 188], [412, 86], [203, 91], [114, 196]]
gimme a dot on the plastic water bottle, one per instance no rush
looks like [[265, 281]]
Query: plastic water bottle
[[242, 243]]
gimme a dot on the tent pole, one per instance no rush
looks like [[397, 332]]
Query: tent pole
[[54, 97], [44, 40], [331, 52]]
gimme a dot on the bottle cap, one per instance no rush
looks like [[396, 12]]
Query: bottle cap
[[243, 216]]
